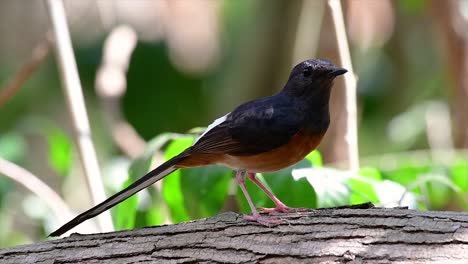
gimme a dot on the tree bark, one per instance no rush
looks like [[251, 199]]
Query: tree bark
[[318, 236]]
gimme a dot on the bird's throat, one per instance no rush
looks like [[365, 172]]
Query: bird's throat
[[317, 112]]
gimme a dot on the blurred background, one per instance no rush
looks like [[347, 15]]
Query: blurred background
[[154, 72]]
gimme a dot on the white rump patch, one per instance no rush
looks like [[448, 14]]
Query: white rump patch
[[212, 125]]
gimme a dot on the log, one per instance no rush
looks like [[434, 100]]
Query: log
[[338, 235]]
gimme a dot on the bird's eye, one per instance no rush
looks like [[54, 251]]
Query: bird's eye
[[307, 71]]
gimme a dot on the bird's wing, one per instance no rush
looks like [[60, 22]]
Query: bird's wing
[[253, 128]]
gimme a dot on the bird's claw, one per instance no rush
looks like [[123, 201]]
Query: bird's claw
[[266, 221], [283, 209]]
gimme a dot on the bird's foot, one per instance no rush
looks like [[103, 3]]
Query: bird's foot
[[281, 208], [266, 221]]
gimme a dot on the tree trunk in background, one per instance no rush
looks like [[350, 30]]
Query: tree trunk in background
[[452, 26], [319, 236], [334, 144]]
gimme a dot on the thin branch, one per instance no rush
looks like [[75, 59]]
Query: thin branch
[[39, 54], [111, 85], [75, 101], [350, 84], [437, 115], [38, 187]]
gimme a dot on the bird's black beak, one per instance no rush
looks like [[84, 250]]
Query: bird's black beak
[[338, 71]]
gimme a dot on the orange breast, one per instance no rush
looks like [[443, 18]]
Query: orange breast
[[294, 151]]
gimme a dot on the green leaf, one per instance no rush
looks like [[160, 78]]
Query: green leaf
[[371, 173], [172, 185], [330, 185], [205, 190], [406, 174], [459, 174], [124, 214], [363, 191], [292, 192], [141, 165], [12, 147], [435, 188], [392, 194], [412, 7], [60, 146], [60, 150], [439, 195], [441, 188], [6, 186], [155, 215], [315, 158]]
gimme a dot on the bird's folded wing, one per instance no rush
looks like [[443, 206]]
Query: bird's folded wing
[[251, 129], [217, 140]]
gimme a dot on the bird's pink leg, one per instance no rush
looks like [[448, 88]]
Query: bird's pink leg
[[240, 178], [280, 206]]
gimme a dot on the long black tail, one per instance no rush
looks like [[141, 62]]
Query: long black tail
[[145, 181]]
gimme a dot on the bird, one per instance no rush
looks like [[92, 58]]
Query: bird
[[262, 135]]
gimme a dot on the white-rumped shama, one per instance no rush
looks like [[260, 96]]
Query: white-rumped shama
[[263, 135]]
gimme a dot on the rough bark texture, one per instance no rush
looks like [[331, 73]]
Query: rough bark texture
[[318, 236]]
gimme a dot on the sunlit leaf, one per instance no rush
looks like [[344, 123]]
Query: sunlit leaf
[[60, 146], [393, 194], [315, 158], [439, 195], [406, 173], [441, 188], [141, 165], [329, 184], [124, 214], [371, 173], [155, 214], [172, 185], [434, 188], [12, 147], [205, 190], [413, 7], [60, 151], [363, 191], [459, 174], [293, 192]]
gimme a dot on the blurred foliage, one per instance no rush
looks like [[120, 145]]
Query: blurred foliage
[[12, 147], [180, 92]]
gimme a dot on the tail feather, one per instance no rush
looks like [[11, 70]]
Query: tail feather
[[145, 181]]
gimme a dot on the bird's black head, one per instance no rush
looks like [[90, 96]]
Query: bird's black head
[[311, 77]]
